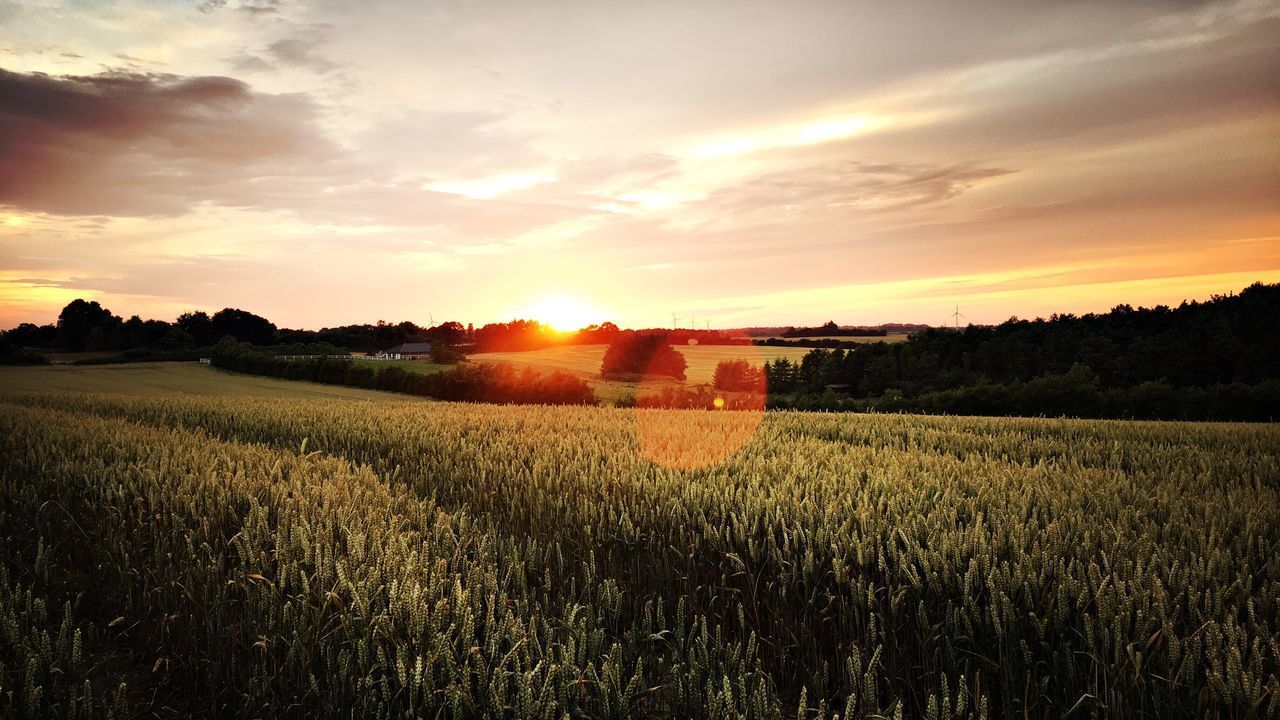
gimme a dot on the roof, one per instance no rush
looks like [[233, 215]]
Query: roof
[[404, 348]]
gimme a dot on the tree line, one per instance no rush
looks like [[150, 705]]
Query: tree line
[[85, 325], [831, 329], [1200, 360]]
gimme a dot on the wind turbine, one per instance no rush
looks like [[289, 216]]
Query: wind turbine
[[956, 316], [675, 321], [433, 319]]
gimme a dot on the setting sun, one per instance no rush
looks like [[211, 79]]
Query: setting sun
[[563, 312]]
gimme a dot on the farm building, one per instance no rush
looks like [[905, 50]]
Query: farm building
[[409, 351]]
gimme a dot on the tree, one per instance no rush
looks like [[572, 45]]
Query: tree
[[198, 326], [514, 335], [77, 322], [243, 326], [31, 335], [442, 354], [13, 354], [593, 334], [449, 333], [738, 376], [633, 354]]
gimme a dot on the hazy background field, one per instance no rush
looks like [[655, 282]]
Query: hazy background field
[[584, 361]]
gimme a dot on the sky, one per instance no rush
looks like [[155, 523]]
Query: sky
[[732, 163]]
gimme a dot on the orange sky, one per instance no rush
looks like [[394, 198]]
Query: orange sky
[[741, 163]]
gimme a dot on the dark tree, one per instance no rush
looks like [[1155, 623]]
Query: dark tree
[[198, 326], [12, 354], [139, 333], [31, 335], [449, 333], [1159, 362], [79, 320], [243, 326], [634, 354]]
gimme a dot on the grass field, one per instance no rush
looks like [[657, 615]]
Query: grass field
[[584, 361], [192, 556], [414, 366], [66, 358], [168, 379]]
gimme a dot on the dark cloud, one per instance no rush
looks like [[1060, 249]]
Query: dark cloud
[[159, 145], [134, 144]]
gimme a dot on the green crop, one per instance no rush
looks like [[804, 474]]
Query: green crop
[[309, 558]]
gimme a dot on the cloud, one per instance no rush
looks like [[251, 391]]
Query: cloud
[[250, 64], [838, 189], [252, 7], [182, 279], [301, 48], [147, 144], [135, 145], [1093, 97]]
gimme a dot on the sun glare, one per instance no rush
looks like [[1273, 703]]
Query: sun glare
[[563, 312]]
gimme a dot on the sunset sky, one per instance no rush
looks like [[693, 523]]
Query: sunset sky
[[324, 163]]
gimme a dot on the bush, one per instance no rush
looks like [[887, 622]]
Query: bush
[[466, 383], [23, 356], [13, 354], [445, 355], [145, 355]]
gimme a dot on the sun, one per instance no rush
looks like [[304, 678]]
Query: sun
[[563, 312]]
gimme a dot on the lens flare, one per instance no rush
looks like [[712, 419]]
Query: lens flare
[[721, 421]]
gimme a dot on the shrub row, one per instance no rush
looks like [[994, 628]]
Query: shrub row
[[467, 383], [1066, 396]]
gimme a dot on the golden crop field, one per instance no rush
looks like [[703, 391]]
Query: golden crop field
[[584, 360], [268, 557]]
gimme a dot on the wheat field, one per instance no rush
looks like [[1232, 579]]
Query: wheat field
[[267, 557]]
